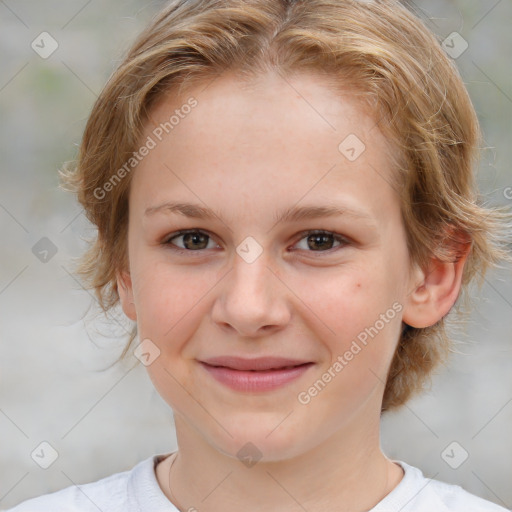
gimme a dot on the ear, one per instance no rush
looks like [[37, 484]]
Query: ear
[[434, 291], [125, 290]]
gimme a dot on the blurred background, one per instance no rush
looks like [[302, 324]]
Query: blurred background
[[55, 384]]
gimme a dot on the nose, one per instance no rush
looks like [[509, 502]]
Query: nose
[[252, 300]]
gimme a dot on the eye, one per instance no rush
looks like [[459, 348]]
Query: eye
[[321, 241], [193, 240]]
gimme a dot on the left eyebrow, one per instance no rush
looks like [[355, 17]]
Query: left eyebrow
[[292, 214], [295, 214]]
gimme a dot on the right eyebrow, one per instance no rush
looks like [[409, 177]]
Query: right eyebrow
[[194, 211]]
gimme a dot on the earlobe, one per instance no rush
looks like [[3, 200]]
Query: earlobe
[[125, 291], [435, 290]]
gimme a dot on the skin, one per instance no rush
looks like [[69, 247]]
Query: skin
[[248, 151]]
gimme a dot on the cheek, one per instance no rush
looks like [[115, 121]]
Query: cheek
[[170, 299], [349, 300], [364, 315], [361, 311]]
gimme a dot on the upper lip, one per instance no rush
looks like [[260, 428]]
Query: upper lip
[[259, 363]]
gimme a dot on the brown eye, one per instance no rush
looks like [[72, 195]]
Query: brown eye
[[321, 241], [193, 240]]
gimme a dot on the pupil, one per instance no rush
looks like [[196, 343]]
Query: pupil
[[195, 238], [320, 238]]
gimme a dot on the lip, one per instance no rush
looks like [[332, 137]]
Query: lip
[[261, 374], [257, 364]]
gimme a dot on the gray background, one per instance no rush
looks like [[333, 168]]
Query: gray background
[[53, 383]]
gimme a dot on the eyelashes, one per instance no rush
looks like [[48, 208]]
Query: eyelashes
[[188, 234], [317, 238]]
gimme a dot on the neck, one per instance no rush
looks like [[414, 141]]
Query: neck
[[347, 472]]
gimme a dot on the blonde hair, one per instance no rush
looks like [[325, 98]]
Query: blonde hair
[[377, 49]]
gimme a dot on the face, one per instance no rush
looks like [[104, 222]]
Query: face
[[244, 281]]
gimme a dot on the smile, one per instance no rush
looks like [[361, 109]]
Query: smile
[[256, 380]]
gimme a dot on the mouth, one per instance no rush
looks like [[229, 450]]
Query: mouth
[[255, 375], [254, 365]]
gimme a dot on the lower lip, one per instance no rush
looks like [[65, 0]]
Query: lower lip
[[267, 380]]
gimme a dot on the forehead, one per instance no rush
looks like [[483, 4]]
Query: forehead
[[273, 138], [267, 104]]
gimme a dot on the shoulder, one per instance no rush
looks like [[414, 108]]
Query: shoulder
[[109, 493], [456, 499], [416, 493]]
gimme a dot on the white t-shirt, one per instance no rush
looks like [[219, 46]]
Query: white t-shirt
[[137, 490]]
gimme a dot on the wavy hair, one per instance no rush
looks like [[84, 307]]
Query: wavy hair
[[378, 50]]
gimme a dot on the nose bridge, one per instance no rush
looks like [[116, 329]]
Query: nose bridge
[[251, 277], [252, 296]]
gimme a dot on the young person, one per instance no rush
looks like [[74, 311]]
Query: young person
[[286, 206]]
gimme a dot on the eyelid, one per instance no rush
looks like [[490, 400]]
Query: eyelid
[[167, 240], [344, 240]]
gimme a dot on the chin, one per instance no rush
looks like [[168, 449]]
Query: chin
[[259, 442]]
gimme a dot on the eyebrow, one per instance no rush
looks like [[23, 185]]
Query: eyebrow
[[292, 214]]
